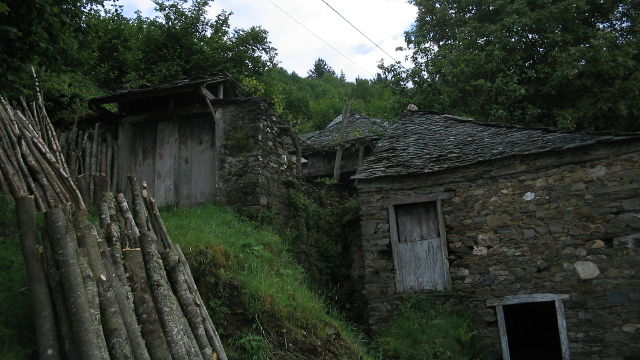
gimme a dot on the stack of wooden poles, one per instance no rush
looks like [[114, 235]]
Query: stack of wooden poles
[[90, 153], [120, 290]]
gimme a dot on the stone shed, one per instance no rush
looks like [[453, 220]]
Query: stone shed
[[196, 140], [356, 137], [535, 230]]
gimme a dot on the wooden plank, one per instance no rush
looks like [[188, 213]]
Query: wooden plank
[[417, 222], [502, 328], [184, 163], [143, 151], [398, 200], [123, 154], [165, 177], [444, 244], [393, 229], [562, 328], [518, 299], [203, 159]]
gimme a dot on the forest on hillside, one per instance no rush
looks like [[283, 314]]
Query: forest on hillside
[[573, 64]]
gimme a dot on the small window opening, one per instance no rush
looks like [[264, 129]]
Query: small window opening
[[532, 331]]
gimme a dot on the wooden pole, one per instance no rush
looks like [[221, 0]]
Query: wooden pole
[[84, 325], [212, 333], [345, 117], [42, 306], [112, 322], [144, 307], [176, 329]]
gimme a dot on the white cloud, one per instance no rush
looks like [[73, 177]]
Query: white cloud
[[384, 21]]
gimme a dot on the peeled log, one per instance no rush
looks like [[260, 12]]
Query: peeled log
[[87, 345], [175, 326], [144, 307], [42, 307]]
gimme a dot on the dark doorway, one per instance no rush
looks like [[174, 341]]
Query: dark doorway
[[532, 330]]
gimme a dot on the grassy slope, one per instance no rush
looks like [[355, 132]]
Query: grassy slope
[[256, 292]]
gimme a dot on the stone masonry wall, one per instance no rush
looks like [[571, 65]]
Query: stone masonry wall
[[252, 163], [564, 223]]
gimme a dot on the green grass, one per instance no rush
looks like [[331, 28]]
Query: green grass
[[256, 292], [425, 330], [16, 329]]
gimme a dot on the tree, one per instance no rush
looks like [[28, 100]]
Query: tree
[[569, 63], [38, 32], [320, 68]]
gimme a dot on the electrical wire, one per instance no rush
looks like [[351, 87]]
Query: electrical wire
[[319, 38], [358, 30]]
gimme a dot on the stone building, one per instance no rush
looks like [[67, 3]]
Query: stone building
[[535, 230], [196, 140], [356, 137]]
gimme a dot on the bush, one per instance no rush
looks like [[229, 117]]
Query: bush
[[423, 329]]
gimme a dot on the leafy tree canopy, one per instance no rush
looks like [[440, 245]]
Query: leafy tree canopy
[[569, 63], [320, 68]]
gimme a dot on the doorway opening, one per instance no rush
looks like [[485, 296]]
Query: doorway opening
[[532, 326], [532, 331]]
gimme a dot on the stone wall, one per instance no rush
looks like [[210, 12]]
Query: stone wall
[[564, 223], [251, 157]]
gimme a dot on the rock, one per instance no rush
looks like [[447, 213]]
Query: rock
[[556, 228], [597, 171], [528, 196], [586, 269], [471, 278], [489, 279], [596, 244], [479, 250], [581, 252], [629, 241], [497, 220], [528, 233], [463, 272], [578, 187], [617, 298], [630, 327]]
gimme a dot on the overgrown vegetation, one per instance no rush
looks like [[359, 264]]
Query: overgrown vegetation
[[551, 63], [255, 291], [425, 330], [323, 238], [16, 328]]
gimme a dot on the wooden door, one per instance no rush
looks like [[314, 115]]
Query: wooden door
[[419, 247]]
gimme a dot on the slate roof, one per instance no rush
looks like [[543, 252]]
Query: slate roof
[[357, 128], [422, 142]]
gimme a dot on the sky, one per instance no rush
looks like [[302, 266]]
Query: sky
[[383, 21]]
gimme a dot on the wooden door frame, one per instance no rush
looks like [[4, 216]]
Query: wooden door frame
[[532, 298], [393, 230]]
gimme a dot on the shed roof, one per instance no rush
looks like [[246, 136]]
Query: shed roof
[[357, 127], [423, 142], [173, 87]]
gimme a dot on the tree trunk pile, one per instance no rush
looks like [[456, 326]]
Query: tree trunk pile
[[120, 290], [90, 153]]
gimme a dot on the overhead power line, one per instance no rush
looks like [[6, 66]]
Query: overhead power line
[[358, 30], [319, 38]]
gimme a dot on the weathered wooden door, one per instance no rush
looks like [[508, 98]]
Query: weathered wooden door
[[175, 157], [419, 247]]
